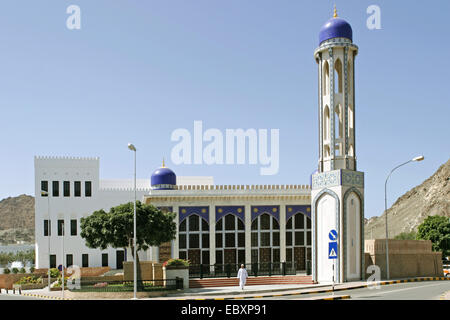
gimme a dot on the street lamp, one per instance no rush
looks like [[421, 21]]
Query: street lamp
[[416, 159], [46, 194], [133, 148]]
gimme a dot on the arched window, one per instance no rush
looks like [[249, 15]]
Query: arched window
[[327, 151], [326, 123], [298, 240], [230, 240], [193, 240], [338, 76], [265, 240], [326, 77], [350, 121]]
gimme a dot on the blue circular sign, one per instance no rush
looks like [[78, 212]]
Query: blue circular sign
[[333, 235], [60, 268]]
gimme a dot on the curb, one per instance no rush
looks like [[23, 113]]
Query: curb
[[336, 298], [324, 291], [43, 297]]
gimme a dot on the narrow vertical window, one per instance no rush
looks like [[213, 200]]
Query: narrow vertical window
[[60, 227], [104, 259], [69, 260], [73, 227], [55, 186], [85, 260], [66, 188], [47, 228], [88, 188], [77, 187], [44, 188], [53, 261]]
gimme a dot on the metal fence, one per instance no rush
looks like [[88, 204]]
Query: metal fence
[[254, 269], [128, 286]]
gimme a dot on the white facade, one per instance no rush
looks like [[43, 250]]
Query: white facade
[[65, 171]]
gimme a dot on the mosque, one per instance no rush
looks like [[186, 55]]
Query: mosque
[[230, 224]]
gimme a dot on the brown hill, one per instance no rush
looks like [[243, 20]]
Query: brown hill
[[430, 198], [17, 219]]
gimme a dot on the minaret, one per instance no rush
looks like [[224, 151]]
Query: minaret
[[337, 189]]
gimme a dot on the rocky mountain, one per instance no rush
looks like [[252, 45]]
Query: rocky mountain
[[17, 220], [430, 198]]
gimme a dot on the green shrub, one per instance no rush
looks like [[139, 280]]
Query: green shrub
[[32, 269], [22, 270], [15, 270], [176, 262], [54, 273], [6, 271], [30, 280]]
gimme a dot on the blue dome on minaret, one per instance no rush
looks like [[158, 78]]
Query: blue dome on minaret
[[163, 179], [335, 28]]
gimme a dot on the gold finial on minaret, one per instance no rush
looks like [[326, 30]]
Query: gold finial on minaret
[[163, 163], [335, 12]]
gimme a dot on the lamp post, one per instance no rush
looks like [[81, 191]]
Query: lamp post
[[63, 258], [133, 148], [46, 194], [416, 159]]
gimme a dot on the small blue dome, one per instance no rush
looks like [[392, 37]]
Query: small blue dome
[[335, 28], [163, 179]]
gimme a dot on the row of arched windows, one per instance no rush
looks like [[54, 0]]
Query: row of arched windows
[[338, 77], [230, 240]]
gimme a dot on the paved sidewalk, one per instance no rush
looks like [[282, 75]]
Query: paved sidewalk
[[252, 292], [256, 292]]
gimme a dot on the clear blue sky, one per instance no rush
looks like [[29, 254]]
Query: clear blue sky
[[138, 70]]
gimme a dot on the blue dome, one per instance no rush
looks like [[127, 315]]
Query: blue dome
[[335, 28], [163, 179]]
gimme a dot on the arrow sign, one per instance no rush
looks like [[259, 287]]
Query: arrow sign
[[333, 235], [332, 250]]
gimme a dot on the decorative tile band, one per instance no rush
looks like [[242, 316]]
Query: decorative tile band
[[326, 179], [338, 178], [352, 178]]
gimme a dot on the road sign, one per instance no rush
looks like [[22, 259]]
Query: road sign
[[60, 267], [333, 235], [332, 250]]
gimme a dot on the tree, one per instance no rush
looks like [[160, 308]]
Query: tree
[[436, 229], [406, 236], [115, 228]]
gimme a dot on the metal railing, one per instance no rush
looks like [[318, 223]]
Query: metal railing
[[128, 286], [253, 269]]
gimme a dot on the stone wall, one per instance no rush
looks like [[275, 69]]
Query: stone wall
[[146, 270], [407, 258]]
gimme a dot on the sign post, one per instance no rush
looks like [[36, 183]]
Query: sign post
[[333, 250]]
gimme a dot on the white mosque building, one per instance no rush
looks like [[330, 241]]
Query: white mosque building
[[230, 224]]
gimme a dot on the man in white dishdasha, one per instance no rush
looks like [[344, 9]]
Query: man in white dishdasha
[[242, 276]]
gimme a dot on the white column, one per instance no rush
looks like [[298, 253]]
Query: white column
[[175, 249], [248, 234], [282, 233], [212, 235]]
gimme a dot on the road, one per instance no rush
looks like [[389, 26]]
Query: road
[[16, 297], [426, 290]]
